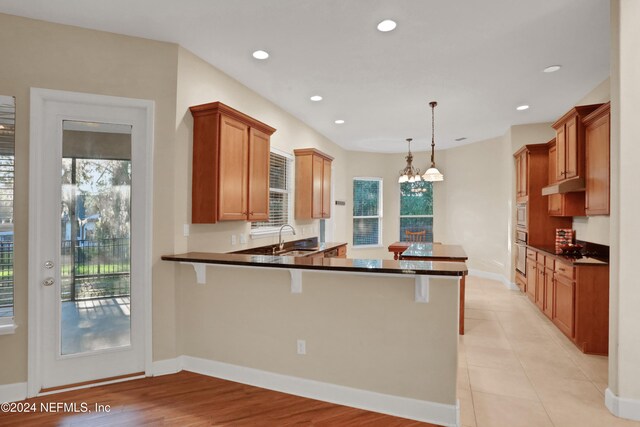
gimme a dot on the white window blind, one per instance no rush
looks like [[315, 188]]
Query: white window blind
[[367, 211], [7, 178], [279, 194]]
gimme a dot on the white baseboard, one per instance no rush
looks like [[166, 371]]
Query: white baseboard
[[13, 392], [432, 412], [167, 366], [622, 407], [494, 276]]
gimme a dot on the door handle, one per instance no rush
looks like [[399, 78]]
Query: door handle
[[48, 281]]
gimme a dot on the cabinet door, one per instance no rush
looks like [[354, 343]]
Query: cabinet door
[[531, 280], [560, 153], [524, 173], [540, 284], [317, 179], [597, 173], [234, 153], [572, 151], [555, 200], [258, 198], [326, 188], [548, 292], [518, 177], [563, 305]]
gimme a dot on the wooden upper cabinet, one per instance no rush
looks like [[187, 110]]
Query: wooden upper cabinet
[[567, 204], [597, 139], [313, 184], [230, 179], [259, 155], [522, 174], [570, 143]]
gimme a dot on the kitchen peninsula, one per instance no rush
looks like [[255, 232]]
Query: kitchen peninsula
[[369, 327]]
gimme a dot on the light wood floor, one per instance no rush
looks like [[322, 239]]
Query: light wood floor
[[188, 399]]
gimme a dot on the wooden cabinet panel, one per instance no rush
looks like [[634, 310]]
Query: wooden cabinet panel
[[567, 204], [316, 187], [563, 309], [548, 292], [572, 151], [559, 164], [597, 136], [522, 175], [326, 189], [230, 165], [342, 251], [540, 298], [234, 157], [313, 184], [258, 196], [570, 143], [532, 278]]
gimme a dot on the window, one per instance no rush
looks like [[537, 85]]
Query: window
[[279, 194], [7, 175], [416, 208], [367, 211]]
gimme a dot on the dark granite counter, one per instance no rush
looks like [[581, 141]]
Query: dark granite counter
[[434, 251], [577, 261], [327, 264]]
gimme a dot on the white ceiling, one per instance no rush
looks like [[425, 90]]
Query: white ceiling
[[478, 59]]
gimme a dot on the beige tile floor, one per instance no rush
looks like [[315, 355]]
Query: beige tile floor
[[516, 369]]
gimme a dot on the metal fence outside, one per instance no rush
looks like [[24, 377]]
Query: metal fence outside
[[99, 268]]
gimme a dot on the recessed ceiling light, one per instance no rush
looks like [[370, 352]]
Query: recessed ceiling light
[[339, 122], [316, 98], [552, 68], [260, 54], [522, 107], [387, 25]]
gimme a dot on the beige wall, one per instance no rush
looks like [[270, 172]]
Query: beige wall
[[45, 55], [361, 331], [624, 369]]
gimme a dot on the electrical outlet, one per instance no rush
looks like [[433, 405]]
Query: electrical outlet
[[234, 240], [301, 346], [185, 230], [243, 238]]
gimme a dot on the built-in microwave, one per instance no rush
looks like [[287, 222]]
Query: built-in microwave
[[521, 215]]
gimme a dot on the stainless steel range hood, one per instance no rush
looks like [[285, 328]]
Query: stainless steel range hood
[[568, 186]]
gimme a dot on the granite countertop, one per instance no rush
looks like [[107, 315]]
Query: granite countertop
[[433, 251], [584, 260], [328, 264]]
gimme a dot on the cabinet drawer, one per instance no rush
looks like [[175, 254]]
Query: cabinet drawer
[[531, 254], [549, 262], [564, 269]]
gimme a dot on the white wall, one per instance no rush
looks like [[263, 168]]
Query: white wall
[[624, 345]]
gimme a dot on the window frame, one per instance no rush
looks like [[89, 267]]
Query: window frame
[[268, 231], [400, 216], [380, 215], [7, 323]]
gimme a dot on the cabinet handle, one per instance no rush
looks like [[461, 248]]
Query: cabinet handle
[[250, 213]]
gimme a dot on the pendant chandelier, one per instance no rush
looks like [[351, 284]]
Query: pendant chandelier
[[433, 174], [409, 173]]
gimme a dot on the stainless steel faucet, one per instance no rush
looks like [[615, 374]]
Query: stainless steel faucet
[[280, 242]]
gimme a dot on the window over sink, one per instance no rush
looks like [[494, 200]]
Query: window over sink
[[279, 194], [367, 212], [416, 209]]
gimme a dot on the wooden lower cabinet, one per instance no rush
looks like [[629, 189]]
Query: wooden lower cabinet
[[574, 296], [563, 305]]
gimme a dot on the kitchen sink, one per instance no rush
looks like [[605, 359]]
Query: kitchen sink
[[297, 252]]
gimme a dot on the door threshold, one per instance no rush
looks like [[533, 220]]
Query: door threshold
[[86, 384]]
